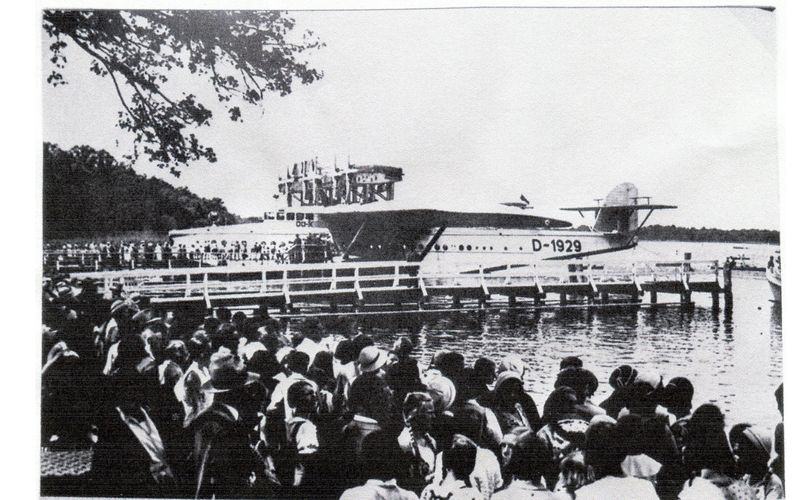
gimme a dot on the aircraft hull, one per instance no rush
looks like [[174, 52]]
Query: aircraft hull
[[465, 242]]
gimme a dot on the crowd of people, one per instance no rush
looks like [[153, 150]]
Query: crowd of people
[[153, 254], [206, 404]]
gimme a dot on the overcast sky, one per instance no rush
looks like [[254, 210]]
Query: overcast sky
[[479, 106]]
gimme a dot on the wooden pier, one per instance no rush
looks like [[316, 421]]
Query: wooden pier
[[355, 286]]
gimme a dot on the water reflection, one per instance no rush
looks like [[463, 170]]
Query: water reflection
[[734, 358]]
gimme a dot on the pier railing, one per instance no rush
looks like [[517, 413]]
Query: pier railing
[[360, 281]]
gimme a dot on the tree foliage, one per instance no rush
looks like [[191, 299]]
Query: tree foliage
[[677, 233], [244, 55], [88, 192]]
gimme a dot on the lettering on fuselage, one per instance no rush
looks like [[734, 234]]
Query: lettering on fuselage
[[557, 245]]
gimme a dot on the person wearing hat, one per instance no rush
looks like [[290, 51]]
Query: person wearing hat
[[403, 374], [584, 383], [527, 465], [511, 404], [443, 392], [563, 430], [677, 399], [381, 456], [224, 462], [415, 439], [370, 406], [752, 447], [604, 454], [458, 462], [620, 380], [512, 363], [371, 359], [708, 456], [295, 365], [189, 388]]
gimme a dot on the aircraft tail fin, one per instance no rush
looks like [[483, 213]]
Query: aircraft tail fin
[[619, 211], [614, 215]]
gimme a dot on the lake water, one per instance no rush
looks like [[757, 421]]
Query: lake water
[[734, 361]]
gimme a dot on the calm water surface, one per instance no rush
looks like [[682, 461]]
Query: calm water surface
[[734, 361]]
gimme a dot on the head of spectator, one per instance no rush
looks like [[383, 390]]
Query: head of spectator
[[210, 324], [644, 395], [225, 336], [632, 434], [239, 318], [370, 397], [249, 328], [458, 461], [442, 391], [573, 472], [571, 362], [605, 449], [470, 421], [199, 347], [485, 371], [130, 353], [530, 458], [311, 328], [507, 444], [402, 347], [752, 447], [509, 389], [296, 362], [512, 363], [321, 370], [560, 405], [381, 455], [706, 443], [371, 359], [345, 352], [449, 363], [622, 376], [223, 314], [302, 399], [581, 380], [779, 398], [677, 396], [361, 341], [264, 364], [177, 352], [418, 412]]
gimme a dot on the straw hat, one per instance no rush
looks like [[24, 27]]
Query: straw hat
[[371, 359]]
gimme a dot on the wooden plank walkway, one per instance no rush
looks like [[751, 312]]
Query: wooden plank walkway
[[289, 286]]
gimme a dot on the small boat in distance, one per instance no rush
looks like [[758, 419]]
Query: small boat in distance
[[774, 275]]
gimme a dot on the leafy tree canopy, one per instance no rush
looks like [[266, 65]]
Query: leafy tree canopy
[[244, 55], [87, 193]]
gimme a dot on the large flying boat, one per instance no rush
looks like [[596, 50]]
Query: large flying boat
[[470, 240]]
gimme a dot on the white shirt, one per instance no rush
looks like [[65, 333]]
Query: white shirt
[[618, 488], [282, 389], [306, 436], [485, 477]]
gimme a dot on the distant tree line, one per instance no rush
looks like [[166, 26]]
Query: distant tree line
[[677, 233], [88, 192]]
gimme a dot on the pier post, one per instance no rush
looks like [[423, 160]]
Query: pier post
[[562, 299], [653, 295], [456, 302], [537, 298], [727, 286], [604, 298], [512, 301]]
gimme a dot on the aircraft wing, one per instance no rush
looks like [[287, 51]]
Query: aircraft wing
[[595, 208]]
